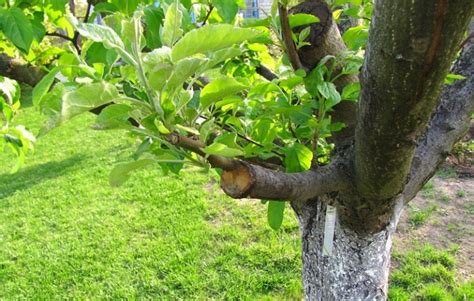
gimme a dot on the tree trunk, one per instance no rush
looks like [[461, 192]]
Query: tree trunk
[[359, 265]]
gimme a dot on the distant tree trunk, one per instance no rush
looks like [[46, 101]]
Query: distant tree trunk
[[20, 71]]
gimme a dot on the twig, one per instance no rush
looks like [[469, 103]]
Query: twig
[[287, 39], [208, 15], [65, 37], [88, 12], [266, 73], [76, 38], [59, 35]]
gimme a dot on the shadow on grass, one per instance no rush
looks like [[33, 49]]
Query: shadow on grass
[[27, 177]]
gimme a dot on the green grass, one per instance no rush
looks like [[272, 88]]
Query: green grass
[[417, 217], [428, 190], [445, 199], [446, 172], [461, 193], [66, 234], [428, 274], [469, 207]]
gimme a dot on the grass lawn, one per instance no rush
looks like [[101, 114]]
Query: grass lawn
[[65, 233]]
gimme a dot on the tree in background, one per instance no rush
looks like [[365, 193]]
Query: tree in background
[[346, 130]]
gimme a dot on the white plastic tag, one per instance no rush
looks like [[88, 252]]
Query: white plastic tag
[[329, 226]]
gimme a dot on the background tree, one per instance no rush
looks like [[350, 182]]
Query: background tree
[[195, 90]]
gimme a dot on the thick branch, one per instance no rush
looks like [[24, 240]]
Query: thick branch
[[407, 59], [287, 38], [19, 71], [241, 179], [449, 123], [247, 180]]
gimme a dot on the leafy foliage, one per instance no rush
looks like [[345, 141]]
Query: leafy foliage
[[189, 68], [16, 138]]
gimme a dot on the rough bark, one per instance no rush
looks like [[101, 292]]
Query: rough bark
[[411, 46], [448, 124], [359, 265], [22, 72]]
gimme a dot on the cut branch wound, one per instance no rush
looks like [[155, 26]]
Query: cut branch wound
[[253, 181]]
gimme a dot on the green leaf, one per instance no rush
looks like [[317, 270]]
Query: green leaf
[[227, 9], [220, 88], [291, 82], [121, 172], [10, 88], [17, 28], [59, 5], [97, 53], [351, 92], [100, 33], [126, 6], [451, 78], [275, 213], [114, 116], [353, 2], [153, 20], [301, 19], [210, 38], [329, 92], [222, 55], [86, 98], [222, 150], [186, 3], [105, 35], [206, 129], [182, 72], [254, 22], [38, 28], [161, 127], [158, 67], [298, 158], [172, 27], [43, 86], [356, 37]]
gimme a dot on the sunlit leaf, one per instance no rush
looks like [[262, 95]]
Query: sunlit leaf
[[121, 172], [227, 9], [275, 214], [172, 27], [220, 149], [114, 116], [10, 89], [86, 98], [210, 38], [302, 19], [154, 20], [298, 158], [17, 28], [220, 88], [356, 37]]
